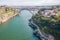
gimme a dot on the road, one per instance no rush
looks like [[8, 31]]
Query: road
[[42, 34]]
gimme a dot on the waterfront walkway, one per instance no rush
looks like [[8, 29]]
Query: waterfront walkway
[[43, 36]]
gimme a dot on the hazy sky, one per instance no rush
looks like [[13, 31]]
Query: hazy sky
[[29, 2]]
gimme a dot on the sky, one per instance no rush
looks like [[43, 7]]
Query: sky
[[29, 2]]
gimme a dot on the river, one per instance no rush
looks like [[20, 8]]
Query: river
[[17, 28]]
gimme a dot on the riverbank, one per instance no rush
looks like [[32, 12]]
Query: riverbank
[[48, 20], [6, 19], [17, 28], [6, 13], [39, 33]]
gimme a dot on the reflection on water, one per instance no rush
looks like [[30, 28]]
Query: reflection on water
[[17, 28]]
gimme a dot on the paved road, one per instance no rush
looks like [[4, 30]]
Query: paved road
[[42, 33]]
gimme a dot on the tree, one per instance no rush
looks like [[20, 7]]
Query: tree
[[52, 23]]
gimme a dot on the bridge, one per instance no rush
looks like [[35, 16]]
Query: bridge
[[31, 9]]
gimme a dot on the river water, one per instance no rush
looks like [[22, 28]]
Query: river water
[[17, 28]]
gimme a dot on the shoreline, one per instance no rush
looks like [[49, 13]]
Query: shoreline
[[41, 35], [6, 19]]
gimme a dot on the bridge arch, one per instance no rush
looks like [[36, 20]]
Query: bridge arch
[[25, 14], [27, 10], [32, 11]]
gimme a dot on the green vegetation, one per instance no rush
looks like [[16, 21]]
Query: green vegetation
[[50, 25], [6, 13]]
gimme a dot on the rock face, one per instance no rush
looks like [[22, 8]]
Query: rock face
[[7, 13]]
